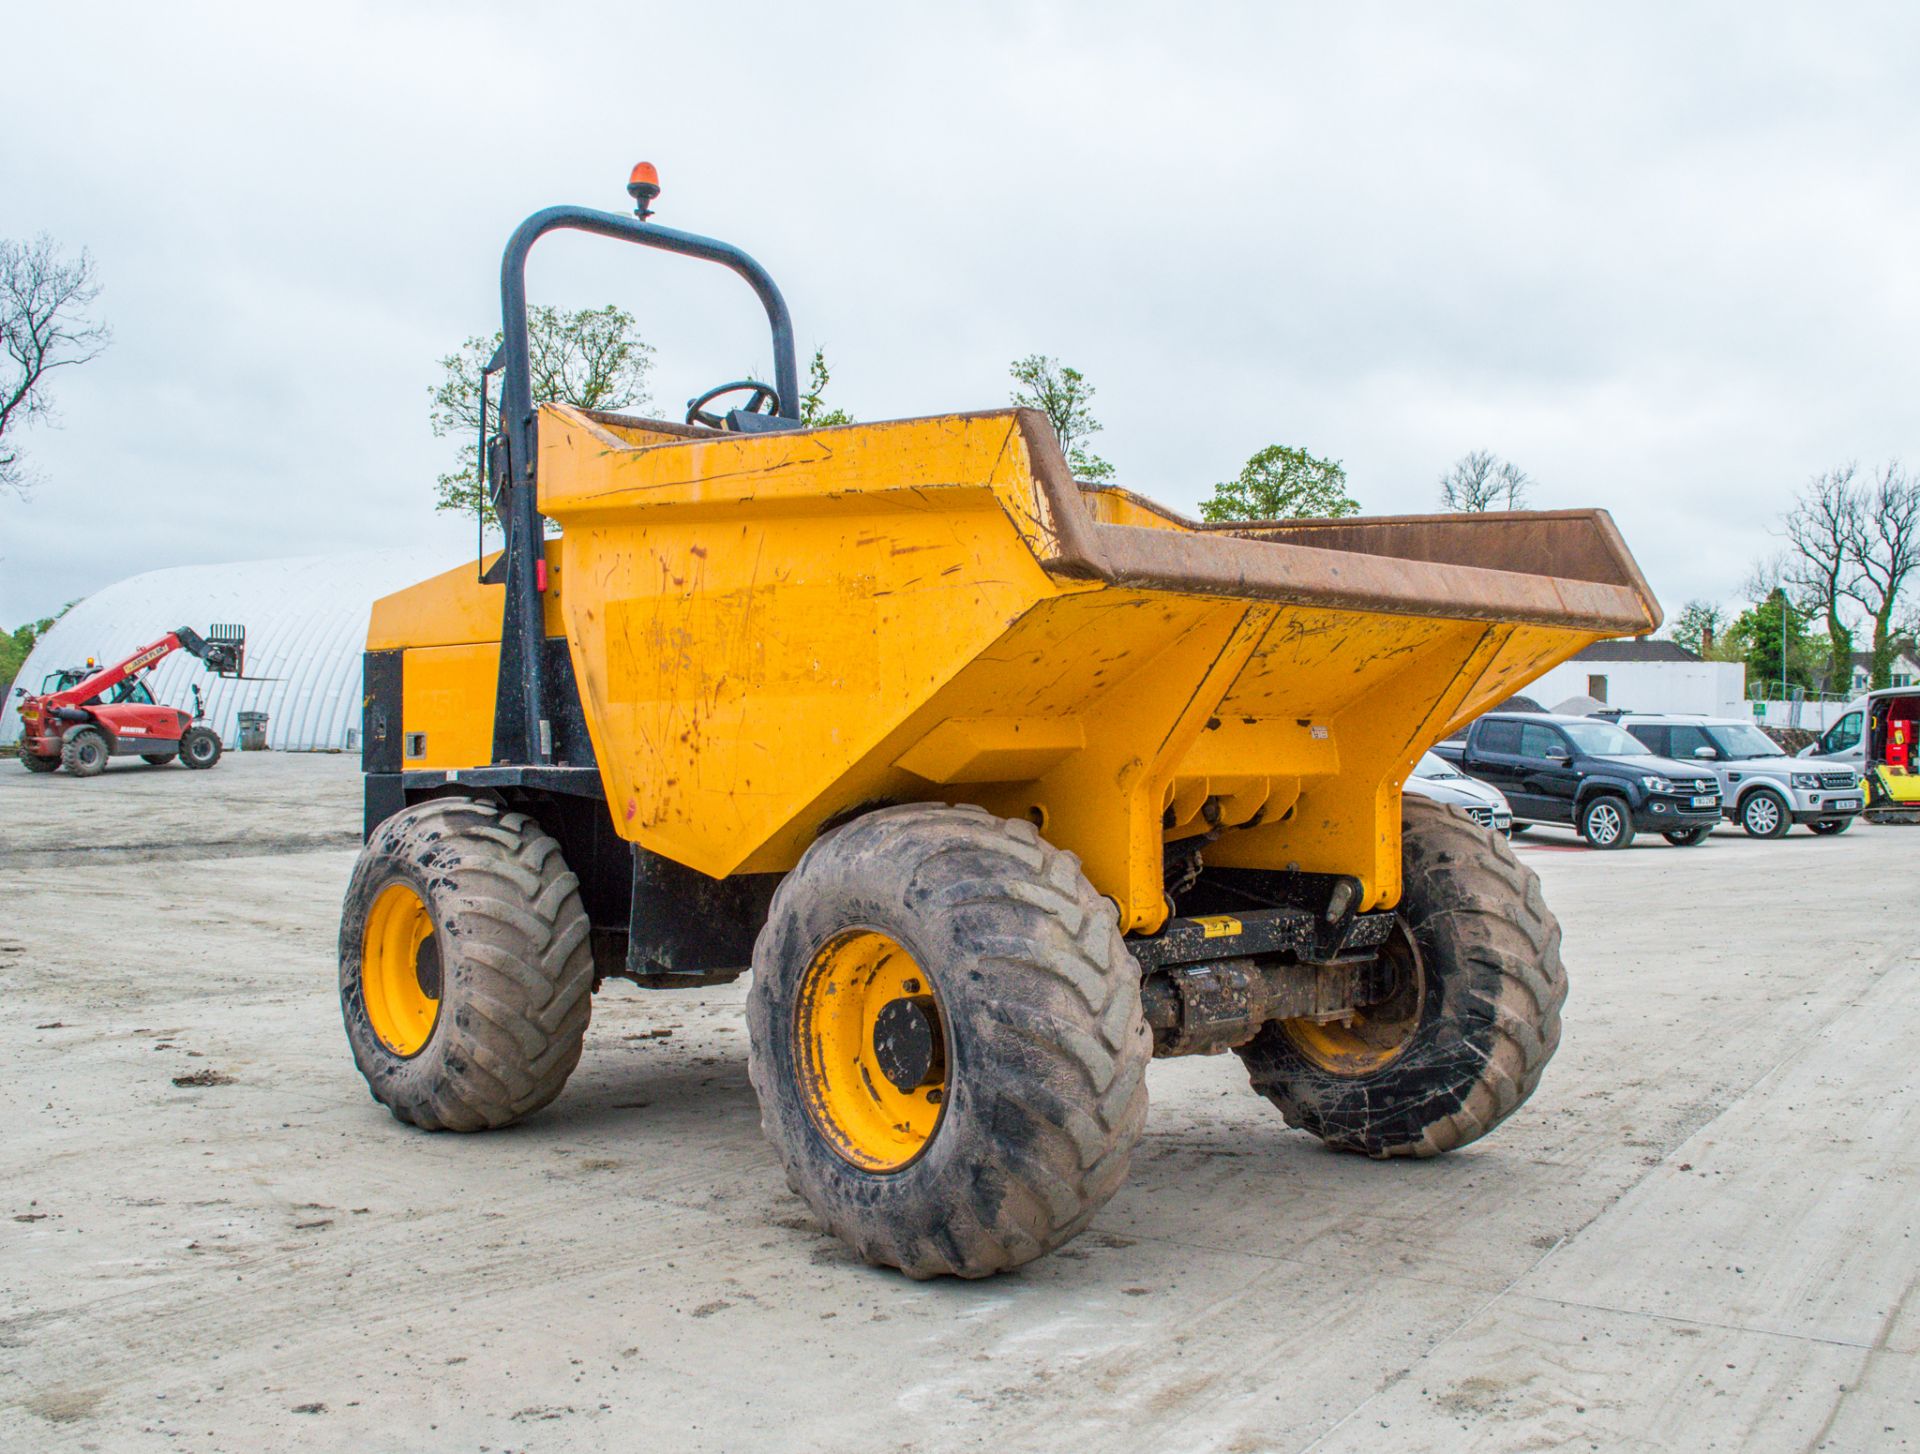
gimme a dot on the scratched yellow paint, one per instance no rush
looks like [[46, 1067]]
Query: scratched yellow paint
[[769, 631], [730, 671]]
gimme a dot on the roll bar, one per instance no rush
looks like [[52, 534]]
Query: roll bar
[[520, 706]]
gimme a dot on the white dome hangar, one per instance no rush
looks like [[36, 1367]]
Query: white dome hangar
[[306, 620]]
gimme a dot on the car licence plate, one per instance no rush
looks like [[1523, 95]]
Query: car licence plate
[[1847, 805], [1709, 801]]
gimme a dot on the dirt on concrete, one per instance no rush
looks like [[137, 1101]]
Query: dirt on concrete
[[1700, 1234]]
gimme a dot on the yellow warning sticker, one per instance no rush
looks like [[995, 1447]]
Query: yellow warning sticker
[[1218, 926]]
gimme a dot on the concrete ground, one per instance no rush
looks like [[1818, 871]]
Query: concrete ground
[[1701, 1233]]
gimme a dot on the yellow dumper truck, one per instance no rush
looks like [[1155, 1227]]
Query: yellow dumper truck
[[1000, 784]]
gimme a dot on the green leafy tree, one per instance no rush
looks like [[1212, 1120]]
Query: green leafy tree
[[1065, 397], [1283, 483], [1757, 634], [15, 646], [592, 358], [813, 404]]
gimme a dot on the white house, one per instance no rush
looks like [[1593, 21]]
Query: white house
[[1648, 676], [1905, 670]]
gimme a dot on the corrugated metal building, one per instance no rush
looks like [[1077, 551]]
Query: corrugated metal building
[[306, 621]]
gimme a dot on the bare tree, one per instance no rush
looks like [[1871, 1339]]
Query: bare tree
[[1481, 480], [1819, 567], [1699, 625], [43, 327], [1885, 545], [1765, 579]]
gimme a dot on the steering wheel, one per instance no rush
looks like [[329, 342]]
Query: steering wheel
[[758, 395]]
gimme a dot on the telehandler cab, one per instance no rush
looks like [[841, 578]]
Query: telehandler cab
[[1000, 784]]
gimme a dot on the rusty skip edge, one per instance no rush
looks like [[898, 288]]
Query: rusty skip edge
[[1416, 565], [1561, 568]]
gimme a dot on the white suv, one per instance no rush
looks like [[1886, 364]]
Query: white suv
[[1765, 791]]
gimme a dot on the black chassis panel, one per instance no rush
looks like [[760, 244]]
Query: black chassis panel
[[1277, 912]]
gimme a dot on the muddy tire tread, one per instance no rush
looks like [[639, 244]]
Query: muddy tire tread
[[1517, 982], [72, 756], [1063, 984], [521, 933]]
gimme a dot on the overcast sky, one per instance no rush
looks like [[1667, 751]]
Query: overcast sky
[[1661, 256]]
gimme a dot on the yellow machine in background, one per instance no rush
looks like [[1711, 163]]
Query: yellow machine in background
[[1892, 755], [999, 783]]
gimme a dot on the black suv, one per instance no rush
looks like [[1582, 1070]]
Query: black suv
[[1589, 774]]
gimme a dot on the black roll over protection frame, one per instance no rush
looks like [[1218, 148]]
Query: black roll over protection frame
[[521, 711]]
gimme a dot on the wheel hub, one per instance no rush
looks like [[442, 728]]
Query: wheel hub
[[1370, 1037], [426, 966], [400, 970], [907, 1043], [871, 1051]]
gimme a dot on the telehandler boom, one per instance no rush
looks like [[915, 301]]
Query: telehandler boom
[[1000, 784], [88, 716]]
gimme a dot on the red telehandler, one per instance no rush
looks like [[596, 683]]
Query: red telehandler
[[81, 718]]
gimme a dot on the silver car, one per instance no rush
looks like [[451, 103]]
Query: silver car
[[1765, 791], [1438, 780]]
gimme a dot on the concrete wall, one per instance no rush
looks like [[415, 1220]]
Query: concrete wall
[[1814, 716], [1711, 688]]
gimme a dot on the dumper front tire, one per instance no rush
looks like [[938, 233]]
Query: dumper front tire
[[465, 970], [1477, 1016], [946, 1038]]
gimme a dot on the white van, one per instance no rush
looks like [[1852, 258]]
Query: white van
[[1846, 740]]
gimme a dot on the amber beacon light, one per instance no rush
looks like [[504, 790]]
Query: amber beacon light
[[643, 185]]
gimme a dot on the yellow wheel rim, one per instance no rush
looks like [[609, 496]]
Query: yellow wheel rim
[[400, 970], [1373, 1037], [872, 1050]]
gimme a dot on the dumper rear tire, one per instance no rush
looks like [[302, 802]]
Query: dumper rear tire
[[1480, 1013], [946, 1038], [465, 970]]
